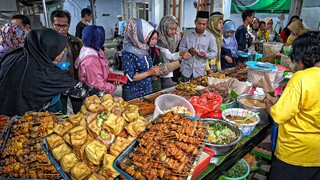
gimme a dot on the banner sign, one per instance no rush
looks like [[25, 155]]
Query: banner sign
[[261, 6]]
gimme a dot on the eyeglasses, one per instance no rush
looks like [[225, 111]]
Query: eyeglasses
[[59, 26]]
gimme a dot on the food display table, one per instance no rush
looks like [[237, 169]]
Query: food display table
[[246, 144], [224, 162]]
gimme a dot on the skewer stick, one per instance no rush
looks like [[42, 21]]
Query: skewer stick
[[42, 165], [63, 116], [48, 174], [177, 174], [31, 161], [157, 161]]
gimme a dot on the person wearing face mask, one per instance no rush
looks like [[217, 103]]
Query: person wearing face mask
[[13, 37], [215, 27], [168, 43], [60, 21], [273, 35], [30, 79], [201, 44]]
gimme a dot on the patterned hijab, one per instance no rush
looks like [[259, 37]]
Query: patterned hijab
[[164, 40], [213, 28], [13, 36], [136, 36]]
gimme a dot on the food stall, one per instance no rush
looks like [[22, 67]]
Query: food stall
[[71, 146]]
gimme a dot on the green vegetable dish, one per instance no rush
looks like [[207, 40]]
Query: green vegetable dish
[[236, 171], [220, 134]]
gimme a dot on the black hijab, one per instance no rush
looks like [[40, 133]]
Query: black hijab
[[28, 76]]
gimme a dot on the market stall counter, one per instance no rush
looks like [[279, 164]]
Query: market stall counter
[[246, 144]]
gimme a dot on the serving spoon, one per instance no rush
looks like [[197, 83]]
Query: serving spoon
[[247, 118]]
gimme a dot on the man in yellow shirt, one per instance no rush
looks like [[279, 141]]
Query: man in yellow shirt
[[297, 112]]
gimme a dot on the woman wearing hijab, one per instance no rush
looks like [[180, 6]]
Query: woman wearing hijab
[[296, 28], [168, 43], [285, 33], [256, 45], [13, 37], [273, 35], [215, 26], [229, 46], [92, 63], [29, 78], [137, 63]]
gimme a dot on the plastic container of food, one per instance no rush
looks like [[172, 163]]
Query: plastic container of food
[[280, 72], [286, 61], [257, 70], [246, 128], [243, 177], [168, 101], [204, 164], [264, 115], [271, 49], [222, 149]]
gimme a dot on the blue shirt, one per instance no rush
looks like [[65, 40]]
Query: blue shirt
[[121, 26], [131, 66], [195, 66]]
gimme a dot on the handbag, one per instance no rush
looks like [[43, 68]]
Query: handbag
[[122, 79]]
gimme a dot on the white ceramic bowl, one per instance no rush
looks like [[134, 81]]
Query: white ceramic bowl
[[245, 128]]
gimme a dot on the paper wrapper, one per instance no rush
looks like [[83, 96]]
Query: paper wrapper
[[231, 83], [266, 84], [228, 84], [173, 66]]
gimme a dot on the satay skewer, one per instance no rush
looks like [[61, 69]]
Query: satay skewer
[[177, 174], [48, 174]]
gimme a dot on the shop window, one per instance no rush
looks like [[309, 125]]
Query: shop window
[[142, 10]]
